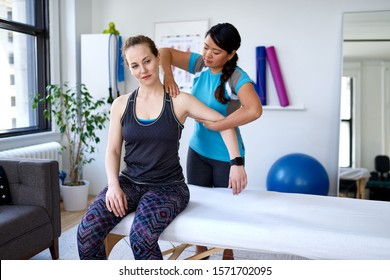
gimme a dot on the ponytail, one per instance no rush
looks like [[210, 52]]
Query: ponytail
[[227, 71]]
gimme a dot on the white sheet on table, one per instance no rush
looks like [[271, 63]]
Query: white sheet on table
[[354, 173], [316, 227]]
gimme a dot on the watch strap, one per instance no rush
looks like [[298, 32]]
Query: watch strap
[[239, 161]]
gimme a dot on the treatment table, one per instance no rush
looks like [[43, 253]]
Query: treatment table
[[360, 175], [310, 226]]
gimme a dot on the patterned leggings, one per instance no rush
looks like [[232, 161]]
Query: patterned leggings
[[155, 208]]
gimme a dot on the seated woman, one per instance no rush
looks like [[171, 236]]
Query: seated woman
[[152, 184]]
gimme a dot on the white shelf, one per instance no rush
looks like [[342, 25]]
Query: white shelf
[[287, 108]]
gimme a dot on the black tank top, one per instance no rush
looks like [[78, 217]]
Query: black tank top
[[152, 150]]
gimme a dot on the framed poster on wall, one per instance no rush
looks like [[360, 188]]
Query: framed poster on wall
[[182, 35]]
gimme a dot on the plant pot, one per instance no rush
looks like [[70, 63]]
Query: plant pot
[[75, 197]]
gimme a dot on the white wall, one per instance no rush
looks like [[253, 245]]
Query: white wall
[[308, 37], [95, 47]]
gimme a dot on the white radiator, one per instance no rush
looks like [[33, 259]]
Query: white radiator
[[51, 150]]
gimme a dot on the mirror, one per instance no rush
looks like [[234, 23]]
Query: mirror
[[365, 98]]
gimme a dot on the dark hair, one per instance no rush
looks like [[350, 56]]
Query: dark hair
[[137, 40], [227, 37]]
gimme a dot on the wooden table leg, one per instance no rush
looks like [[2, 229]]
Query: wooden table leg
[[361, 188]]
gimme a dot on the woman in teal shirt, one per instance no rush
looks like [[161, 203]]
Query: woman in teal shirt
[[222, 85]]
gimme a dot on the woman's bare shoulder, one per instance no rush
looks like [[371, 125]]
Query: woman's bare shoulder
[[120, 103], [183, 97]]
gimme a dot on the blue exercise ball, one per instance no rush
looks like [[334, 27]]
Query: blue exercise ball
[[298, 173]]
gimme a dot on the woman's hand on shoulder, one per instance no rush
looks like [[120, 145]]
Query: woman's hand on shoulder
[[237, 179], [170, 85]]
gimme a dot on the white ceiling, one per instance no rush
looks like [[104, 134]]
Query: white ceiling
[[367, 35]]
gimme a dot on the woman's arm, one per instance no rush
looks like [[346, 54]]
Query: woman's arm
[[187, 105], [250, 110], [115, 198], [171, 57], [237, 176]]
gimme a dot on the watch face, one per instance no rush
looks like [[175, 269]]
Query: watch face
[[239, 161]]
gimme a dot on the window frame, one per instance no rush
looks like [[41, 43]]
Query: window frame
[[350, 121], [40, 30]]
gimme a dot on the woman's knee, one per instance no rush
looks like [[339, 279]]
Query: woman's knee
[[95, 222]]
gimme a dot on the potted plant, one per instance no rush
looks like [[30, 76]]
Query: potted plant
[[78, 116]]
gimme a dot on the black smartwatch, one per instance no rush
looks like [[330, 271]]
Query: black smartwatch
[[237, 161]]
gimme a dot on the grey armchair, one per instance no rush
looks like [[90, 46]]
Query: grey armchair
[[33, 223]]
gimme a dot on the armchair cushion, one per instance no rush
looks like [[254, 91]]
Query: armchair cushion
[[21, 219], [5, 193], [33, 222]]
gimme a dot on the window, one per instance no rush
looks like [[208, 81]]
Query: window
[[11, 58], [345, 155], [24, 59], [12, 80]]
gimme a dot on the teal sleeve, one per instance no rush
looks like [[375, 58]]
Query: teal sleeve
[[194, 57]]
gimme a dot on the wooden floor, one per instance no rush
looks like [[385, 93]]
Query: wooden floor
[[70, 219]]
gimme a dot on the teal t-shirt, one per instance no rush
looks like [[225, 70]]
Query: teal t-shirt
[[209, 143]]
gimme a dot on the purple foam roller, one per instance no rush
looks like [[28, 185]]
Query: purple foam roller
[[277, 76]]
